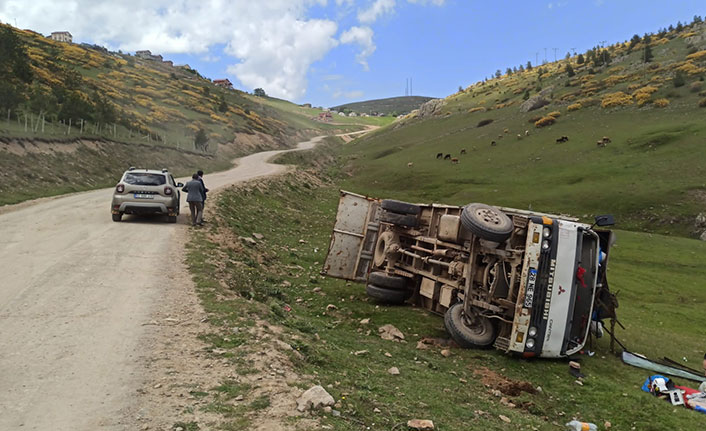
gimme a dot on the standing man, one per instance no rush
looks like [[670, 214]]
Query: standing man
[[196, 193], [205, 190]]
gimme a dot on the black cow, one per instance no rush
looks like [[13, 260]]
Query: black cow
[[439, 155], [447, 157]]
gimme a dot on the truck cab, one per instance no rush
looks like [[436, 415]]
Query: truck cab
[[525, 282]]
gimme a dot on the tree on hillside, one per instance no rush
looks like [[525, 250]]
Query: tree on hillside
[[529, 65], [259, 92], [567, 56], [680, 26], [580, 59], [498, 73], [223, 105], [647, 54], [10, 97], [570, 70], [633, 41], [201, 140], [508, 71], [15, 61], [521, 68], [697, 20], [679, 79]]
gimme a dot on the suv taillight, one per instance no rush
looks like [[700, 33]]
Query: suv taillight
[[168, 191], [120, 188]]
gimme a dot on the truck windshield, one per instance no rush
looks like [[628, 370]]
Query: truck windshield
[[144, 179], [585, 287]]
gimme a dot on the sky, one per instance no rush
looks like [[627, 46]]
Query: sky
[[330, 52]]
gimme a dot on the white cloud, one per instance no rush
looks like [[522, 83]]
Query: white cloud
[[274, 40], [363, 36], [376, 10], [426, 2]]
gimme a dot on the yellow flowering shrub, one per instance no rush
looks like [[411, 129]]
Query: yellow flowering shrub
[[555, 114], [691, 68], [644, 94], [633, 87], [697, 56], [614, 79], [661, 103], [574, 107], [477, 109], [618, 98], [545, 121]]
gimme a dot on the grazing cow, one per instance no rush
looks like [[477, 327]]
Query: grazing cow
[[454, 161], [500, 136], [410, 164], [463, 151], [439, 155], [493, 143], [447, 157], [600, 143], [562, 139], [526, 132], [519, 136], [506, 131], [606, 140]]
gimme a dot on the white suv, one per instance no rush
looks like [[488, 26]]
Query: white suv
[[146, 191]]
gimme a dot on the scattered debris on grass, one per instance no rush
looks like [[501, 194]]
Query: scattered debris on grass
[[389, 332]]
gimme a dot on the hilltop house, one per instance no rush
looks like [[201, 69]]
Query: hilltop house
[[147, 55], [225, 83], [62, 36]]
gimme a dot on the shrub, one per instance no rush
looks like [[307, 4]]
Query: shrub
[[476, 109], [678, 80], [555, 114], [644, 94], [695, 87], [485, 122], [534, 119], [574, 107], [702, 103], [700, 55], [633, 87], [661, 103], [545, 121], [616, 99]]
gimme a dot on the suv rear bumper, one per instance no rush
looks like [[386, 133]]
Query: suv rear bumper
[[157, 206]]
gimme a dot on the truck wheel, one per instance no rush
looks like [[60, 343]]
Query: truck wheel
[[486, 222], [409, 220], [381, 279], [387, 296], [172, 219], [479, 334], [117, 217], [400, 207]]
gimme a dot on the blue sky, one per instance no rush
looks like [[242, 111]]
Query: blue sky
[[328, 52]]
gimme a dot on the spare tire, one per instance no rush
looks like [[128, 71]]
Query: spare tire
[[409, 220], [382, 279], [400, 207], [480, 334], [387, 296], [486, 222]]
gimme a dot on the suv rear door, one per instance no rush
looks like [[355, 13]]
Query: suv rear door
[[353, 238]]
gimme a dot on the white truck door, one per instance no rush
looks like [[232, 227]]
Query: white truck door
[[353, 238]]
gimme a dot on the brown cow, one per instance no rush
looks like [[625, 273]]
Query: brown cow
[[454, 161]]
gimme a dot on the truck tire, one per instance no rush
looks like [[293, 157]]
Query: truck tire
[[172, 219], [387, 296], [408, 220], [382, 279], [400, 207], [486, 222], [117, 217], [481, 335]]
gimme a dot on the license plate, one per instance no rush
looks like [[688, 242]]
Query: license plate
[[529, 291], [143, 196]]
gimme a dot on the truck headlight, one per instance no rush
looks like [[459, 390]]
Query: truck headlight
[[546, 232], [530, 343], [532, 331], [545, 245]]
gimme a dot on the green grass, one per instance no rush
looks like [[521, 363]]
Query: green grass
[[658, 278], [390, 106]]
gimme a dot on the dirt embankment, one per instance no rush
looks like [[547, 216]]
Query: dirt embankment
[[34, 167]]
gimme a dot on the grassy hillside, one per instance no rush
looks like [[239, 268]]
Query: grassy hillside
[[47, 85], [651, 174], [390, 106], [277, 279]]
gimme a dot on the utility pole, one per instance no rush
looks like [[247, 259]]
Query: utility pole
[[410, 87], [555, 53], [536, 58], [545, 55]]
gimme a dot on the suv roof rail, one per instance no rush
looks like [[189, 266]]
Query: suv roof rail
[[165, 170], [131, 168]]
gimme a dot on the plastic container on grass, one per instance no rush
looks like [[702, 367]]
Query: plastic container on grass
[[581, 426]]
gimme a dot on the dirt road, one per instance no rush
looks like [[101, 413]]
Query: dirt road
[[76, 293]]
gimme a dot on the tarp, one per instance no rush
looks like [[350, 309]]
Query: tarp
[[644, 363]]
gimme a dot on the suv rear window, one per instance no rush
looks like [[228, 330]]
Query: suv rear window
[[144, 179]]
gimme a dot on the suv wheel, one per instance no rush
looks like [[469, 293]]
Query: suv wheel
[[117, 217]]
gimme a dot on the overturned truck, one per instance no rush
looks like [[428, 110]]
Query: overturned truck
[[525, 282]]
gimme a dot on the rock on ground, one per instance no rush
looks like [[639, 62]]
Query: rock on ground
[[314, 397], [389, 332], [420, 424]]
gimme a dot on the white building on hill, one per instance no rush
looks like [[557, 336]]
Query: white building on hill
[[62, 36]]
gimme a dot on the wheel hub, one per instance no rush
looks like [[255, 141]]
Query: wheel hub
[[488, 215]]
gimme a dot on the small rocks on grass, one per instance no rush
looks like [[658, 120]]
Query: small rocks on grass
[[331, 307], [247, 240], [365, 321], [376, 410], [504, 418], [157, 386], [388, 354], [360, 352], [239, 398], [258, 236], [394, 371], [389, 332], [446, 353], [607, 425], [327, 409], [420, 424], [314, 398], [335, 413], [316, 290]]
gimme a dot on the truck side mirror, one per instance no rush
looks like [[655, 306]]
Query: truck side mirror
[[605, 220]]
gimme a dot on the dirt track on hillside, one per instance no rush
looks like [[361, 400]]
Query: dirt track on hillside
[[79, 296]]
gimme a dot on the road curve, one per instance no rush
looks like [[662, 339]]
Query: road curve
[[75, 291]]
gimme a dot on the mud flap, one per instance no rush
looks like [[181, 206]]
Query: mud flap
[[353, 238]]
